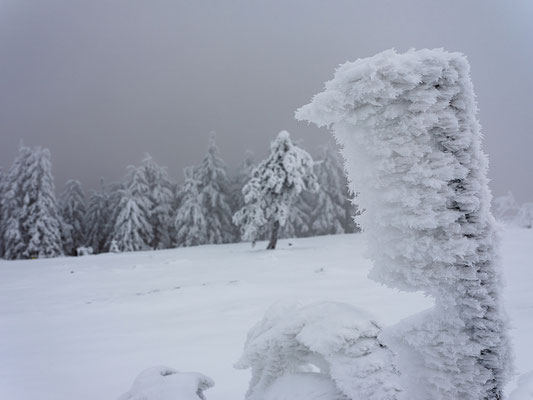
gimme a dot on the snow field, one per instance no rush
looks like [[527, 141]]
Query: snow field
[[86, 327]]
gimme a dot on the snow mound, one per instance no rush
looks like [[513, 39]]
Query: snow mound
[[524, 391], [323, 350], [164, 383]]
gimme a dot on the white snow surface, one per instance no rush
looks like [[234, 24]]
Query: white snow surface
[[165, 383], [85, 327]]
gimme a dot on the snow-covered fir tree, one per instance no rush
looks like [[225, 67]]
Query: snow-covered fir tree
[[97, 219], [215, 196], [12, 238], [161, 198], [412, 144], [329, 211], [275, 186], [72, 206], [133, 203], [190, 223], [32, 225], [132, 227]]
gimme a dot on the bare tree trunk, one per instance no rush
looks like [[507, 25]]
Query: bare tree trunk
[[273, 236]]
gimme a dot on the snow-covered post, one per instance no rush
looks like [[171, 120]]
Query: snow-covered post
[[409, 134]]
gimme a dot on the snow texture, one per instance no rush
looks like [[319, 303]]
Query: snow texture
[[109, 316], [412, 144], [338, 340], [164, 383]]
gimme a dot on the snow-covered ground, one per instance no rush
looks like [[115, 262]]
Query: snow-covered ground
[[84, 328]]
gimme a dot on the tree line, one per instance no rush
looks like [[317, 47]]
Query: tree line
[[286, 195]]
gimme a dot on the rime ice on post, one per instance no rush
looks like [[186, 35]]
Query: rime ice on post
[[412, 146]]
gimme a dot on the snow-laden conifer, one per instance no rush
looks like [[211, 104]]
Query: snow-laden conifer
[[214, 190], [412, 144], [72, 206], [161, 198], [12, 238], [97, 221], [30, 214], [329, 212], [40, 219], [190, 222], [273, 189], [132, 226]]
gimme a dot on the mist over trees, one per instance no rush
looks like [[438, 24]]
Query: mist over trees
[[148, 210]]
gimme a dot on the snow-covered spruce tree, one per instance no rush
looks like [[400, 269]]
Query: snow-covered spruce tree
[[412, 144], [72, 206], [32, 221], [190, 222], [329, 212], [97, 219], [273, 189], [132, 226], [214, 190], [12, 238], [161, 198]]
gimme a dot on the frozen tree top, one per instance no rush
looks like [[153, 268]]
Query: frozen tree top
[[377, 80]]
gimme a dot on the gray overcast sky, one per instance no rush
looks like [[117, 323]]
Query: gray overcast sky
[[101, 82]]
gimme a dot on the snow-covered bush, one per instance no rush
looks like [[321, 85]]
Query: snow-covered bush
[[84, 251], [274, 188], [164, 383], [327, 351], [409, 134]]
